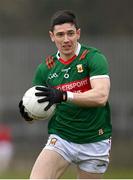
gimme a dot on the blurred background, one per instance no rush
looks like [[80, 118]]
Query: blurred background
[[24, 39]]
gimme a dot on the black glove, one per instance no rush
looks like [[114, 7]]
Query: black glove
[[23, 113], [50, 94]]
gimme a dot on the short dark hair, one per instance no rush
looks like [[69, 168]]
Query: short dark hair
[[63, 16]]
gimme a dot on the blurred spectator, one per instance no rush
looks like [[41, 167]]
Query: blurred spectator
[[6, 147]]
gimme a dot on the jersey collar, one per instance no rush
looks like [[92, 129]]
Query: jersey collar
[[72, 58]]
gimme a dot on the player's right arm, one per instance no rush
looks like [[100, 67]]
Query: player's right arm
[[39, 76], [37, 80]]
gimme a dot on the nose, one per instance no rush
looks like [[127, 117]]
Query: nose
[[66, 38]]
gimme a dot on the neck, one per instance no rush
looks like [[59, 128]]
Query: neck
[[66, 57], [69, 56]]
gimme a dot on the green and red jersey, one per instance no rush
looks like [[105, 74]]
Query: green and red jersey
[[72, 122]]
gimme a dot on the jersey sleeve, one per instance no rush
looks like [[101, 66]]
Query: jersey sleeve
[[98, 66], [39, 77]]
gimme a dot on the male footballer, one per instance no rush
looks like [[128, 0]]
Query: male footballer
[[76, 79]]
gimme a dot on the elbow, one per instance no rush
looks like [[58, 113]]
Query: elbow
[[102, 100], [102, 103]]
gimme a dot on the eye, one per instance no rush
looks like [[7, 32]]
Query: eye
[[60, 34], [71, 33]]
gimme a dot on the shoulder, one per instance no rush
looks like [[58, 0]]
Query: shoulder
[[91, 50], [47, 62], [88, 52], [94, 54], [96, 61], [42, 70]]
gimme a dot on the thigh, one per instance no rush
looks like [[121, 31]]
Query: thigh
[[49, 165], [86, 175]]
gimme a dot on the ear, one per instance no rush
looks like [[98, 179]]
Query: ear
[[78, 33], [51, 36]]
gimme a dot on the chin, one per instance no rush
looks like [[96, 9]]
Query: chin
[[68, 53]]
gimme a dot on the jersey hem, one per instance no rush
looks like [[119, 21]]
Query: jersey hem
[[82, 142]]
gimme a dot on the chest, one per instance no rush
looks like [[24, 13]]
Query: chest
[[71, 77]]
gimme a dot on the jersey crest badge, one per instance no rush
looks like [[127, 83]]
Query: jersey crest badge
[[53, 141], [100, 132], [80, 68]]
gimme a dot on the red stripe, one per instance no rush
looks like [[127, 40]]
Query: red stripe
[[68, 61], [76, 86], [83, 55]]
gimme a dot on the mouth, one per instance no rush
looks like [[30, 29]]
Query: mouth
[[66, 47]]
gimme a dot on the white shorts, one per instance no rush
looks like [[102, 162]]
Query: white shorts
[[90, 157]]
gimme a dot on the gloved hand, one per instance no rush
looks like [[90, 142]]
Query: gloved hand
[[23, 113], [50, 94]]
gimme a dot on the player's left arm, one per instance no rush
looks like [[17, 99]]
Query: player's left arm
[[97, 96], [100, 83]]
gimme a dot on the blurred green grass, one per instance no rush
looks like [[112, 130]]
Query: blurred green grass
[[112, 173]]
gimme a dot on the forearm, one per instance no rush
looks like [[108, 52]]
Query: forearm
[[90, 98], [97, 96]]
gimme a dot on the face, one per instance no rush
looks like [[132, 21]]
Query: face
[[65, 37]]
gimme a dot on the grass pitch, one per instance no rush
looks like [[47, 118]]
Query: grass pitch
[[112, 173]]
